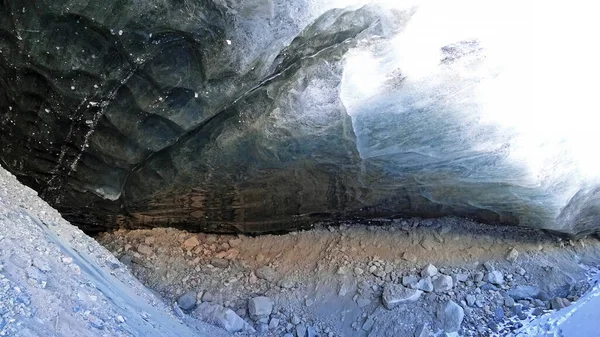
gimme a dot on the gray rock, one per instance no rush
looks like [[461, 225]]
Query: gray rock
[[395, 294], [422, 330], [219, 263], [470, 300], [409, 281], [207, 297], [430, 270], [262, 328], [425, 284], [495, 277], [288, 335], [260, 307], [300, 330], [559, 303], [311, 332], [221, 317], [452, 316], [273, 323], [523, 292], [442, 283], [488, 266], [478, 276], [187, 301], [512, 255], [295, 319], [461, 277], [368, 324], [509, 302], [266, 273]]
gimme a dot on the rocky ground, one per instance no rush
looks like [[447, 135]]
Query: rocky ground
[[399, 277], [57, 281]]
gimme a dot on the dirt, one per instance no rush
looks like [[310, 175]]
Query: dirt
[[331, 278]]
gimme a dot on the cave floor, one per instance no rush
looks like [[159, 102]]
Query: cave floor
[[329, 280]]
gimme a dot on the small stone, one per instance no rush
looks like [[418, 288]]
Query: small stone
[[260, 307], [358, 271], [422, 330], [120, 319], [150, 240], [368, 324], [207, 297], [509, 302], [262, 328], [495, 277], [222, 317], [288, 335], [146, 250], [295, 320], [521, 271], [488, 266], [300, 330], [442, 283], [37, 276], [425, 284], [273, 323], [470, 300], [429, 271], [219, 263], [41, 264], [452, 316], [498, 314], [190, 243], [559, 303], [512, 255], [266, 273], [187, 301], [478, 276], [395, 294], [461, 277], [311, 332]]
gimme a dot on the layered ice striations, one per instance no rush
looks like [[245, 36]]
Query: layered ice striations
[[258, 116]]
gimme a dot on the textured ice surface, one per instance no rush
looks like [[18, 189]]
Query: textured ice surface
[[256, 115]]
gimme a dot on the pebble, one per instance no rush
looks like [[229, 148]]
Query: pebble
[[442, 283], [452, 316], [190, 243], [295, 320], [260, 307], [273, 323], [311, 332], [409, 281], [395, 294], [495, 277], [358, 271]]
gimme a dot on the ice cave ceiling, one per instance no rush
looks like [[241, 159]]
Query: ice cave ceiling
[[259, 116]]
